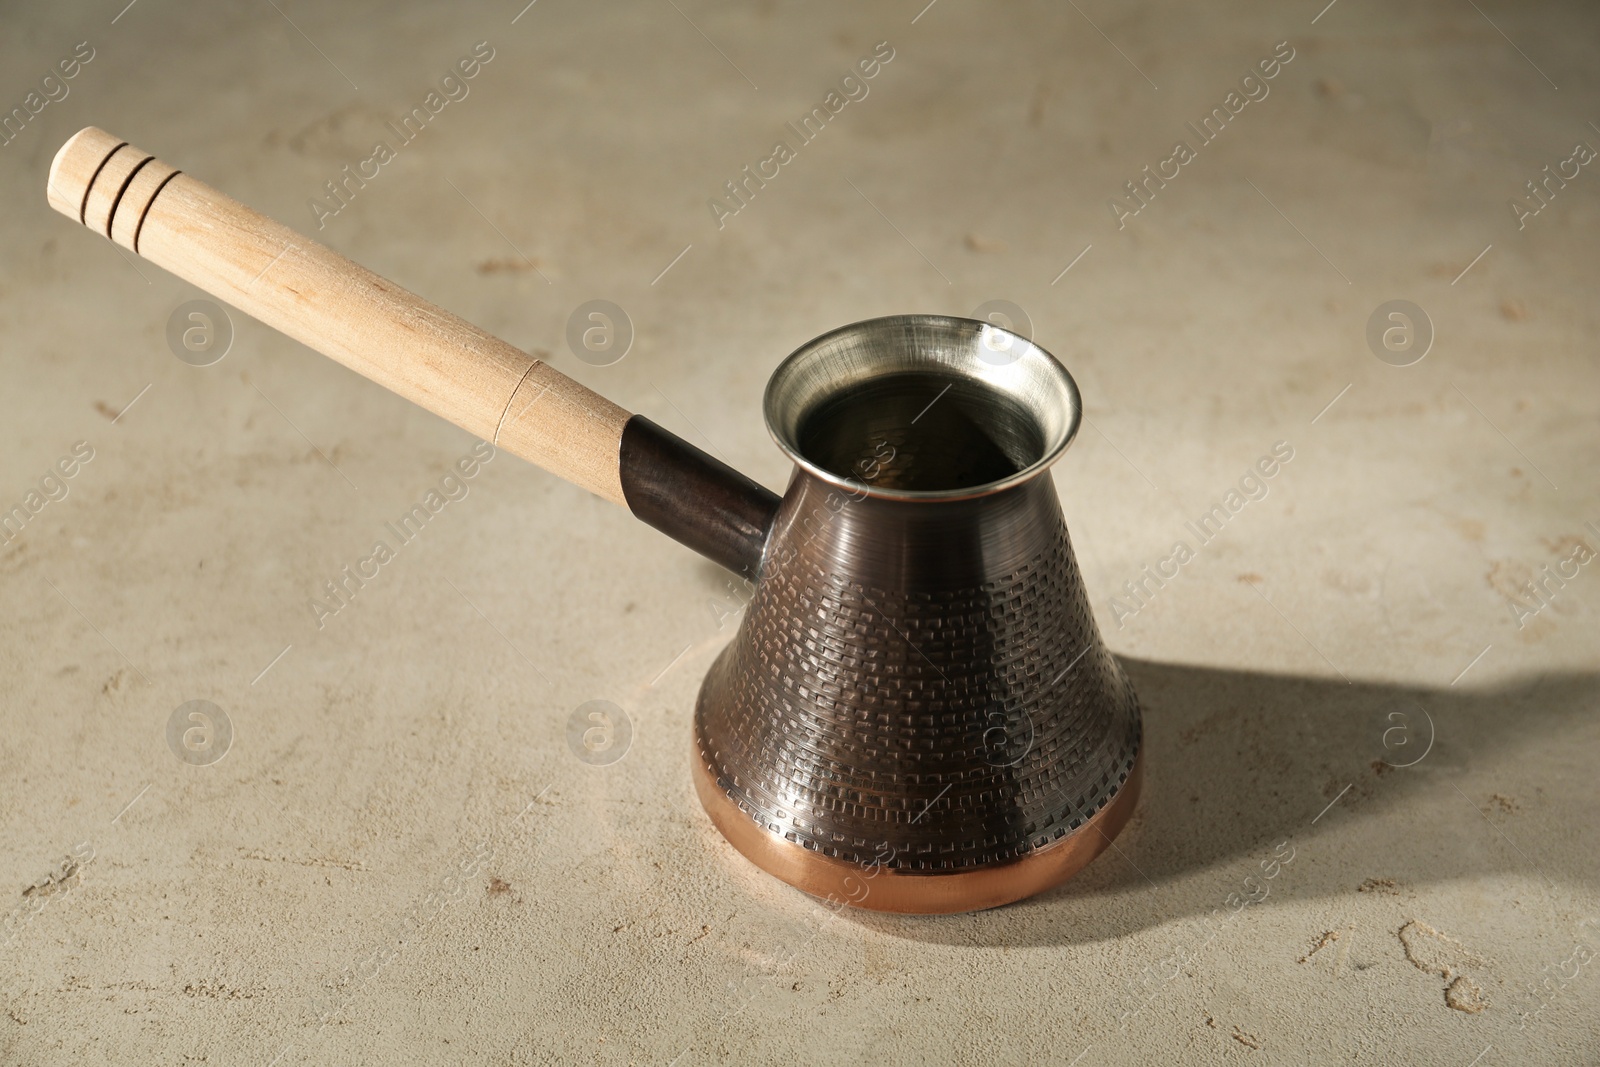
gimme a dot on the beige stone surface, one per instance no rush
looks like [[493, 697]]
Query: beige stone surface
[[1357, 618]]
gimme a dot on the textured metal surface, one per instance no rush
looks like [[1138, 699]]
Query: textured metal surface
[[954, 709], [918, 685]]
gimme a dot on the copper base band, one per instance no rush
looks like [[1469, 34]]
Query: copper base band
[[884, 889]]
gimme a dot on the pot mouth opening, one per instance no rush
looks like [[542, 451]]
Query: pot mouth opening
[[922, 407]]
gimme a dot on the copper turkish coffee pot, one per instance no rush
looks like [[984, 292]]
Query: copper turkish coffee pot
[[917, 713]]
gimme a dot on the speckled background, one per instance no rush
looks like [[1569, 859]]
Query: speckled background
[[401, 859]]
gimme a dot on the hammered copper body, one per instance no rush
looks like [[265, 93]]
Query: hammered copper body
[[917, 713]]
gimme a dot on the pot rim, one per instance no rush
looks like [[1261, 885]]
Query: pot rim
[[994, 358]]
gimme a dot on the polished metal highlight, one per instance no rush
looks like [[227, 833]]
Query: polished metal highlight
[[918, 713]]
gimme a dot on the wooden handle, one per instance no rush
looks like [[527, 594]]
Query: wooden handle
[[342, 310]]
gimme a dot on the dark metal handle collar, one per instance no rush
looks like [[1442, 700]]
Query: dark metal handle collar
[[693, 498]]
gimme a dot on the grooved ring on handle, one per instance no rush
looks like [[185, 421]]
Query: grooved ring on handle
[[108, 184]]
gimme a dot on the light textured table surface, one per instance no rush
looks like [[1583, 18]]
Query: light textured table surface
[[293, 903]]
